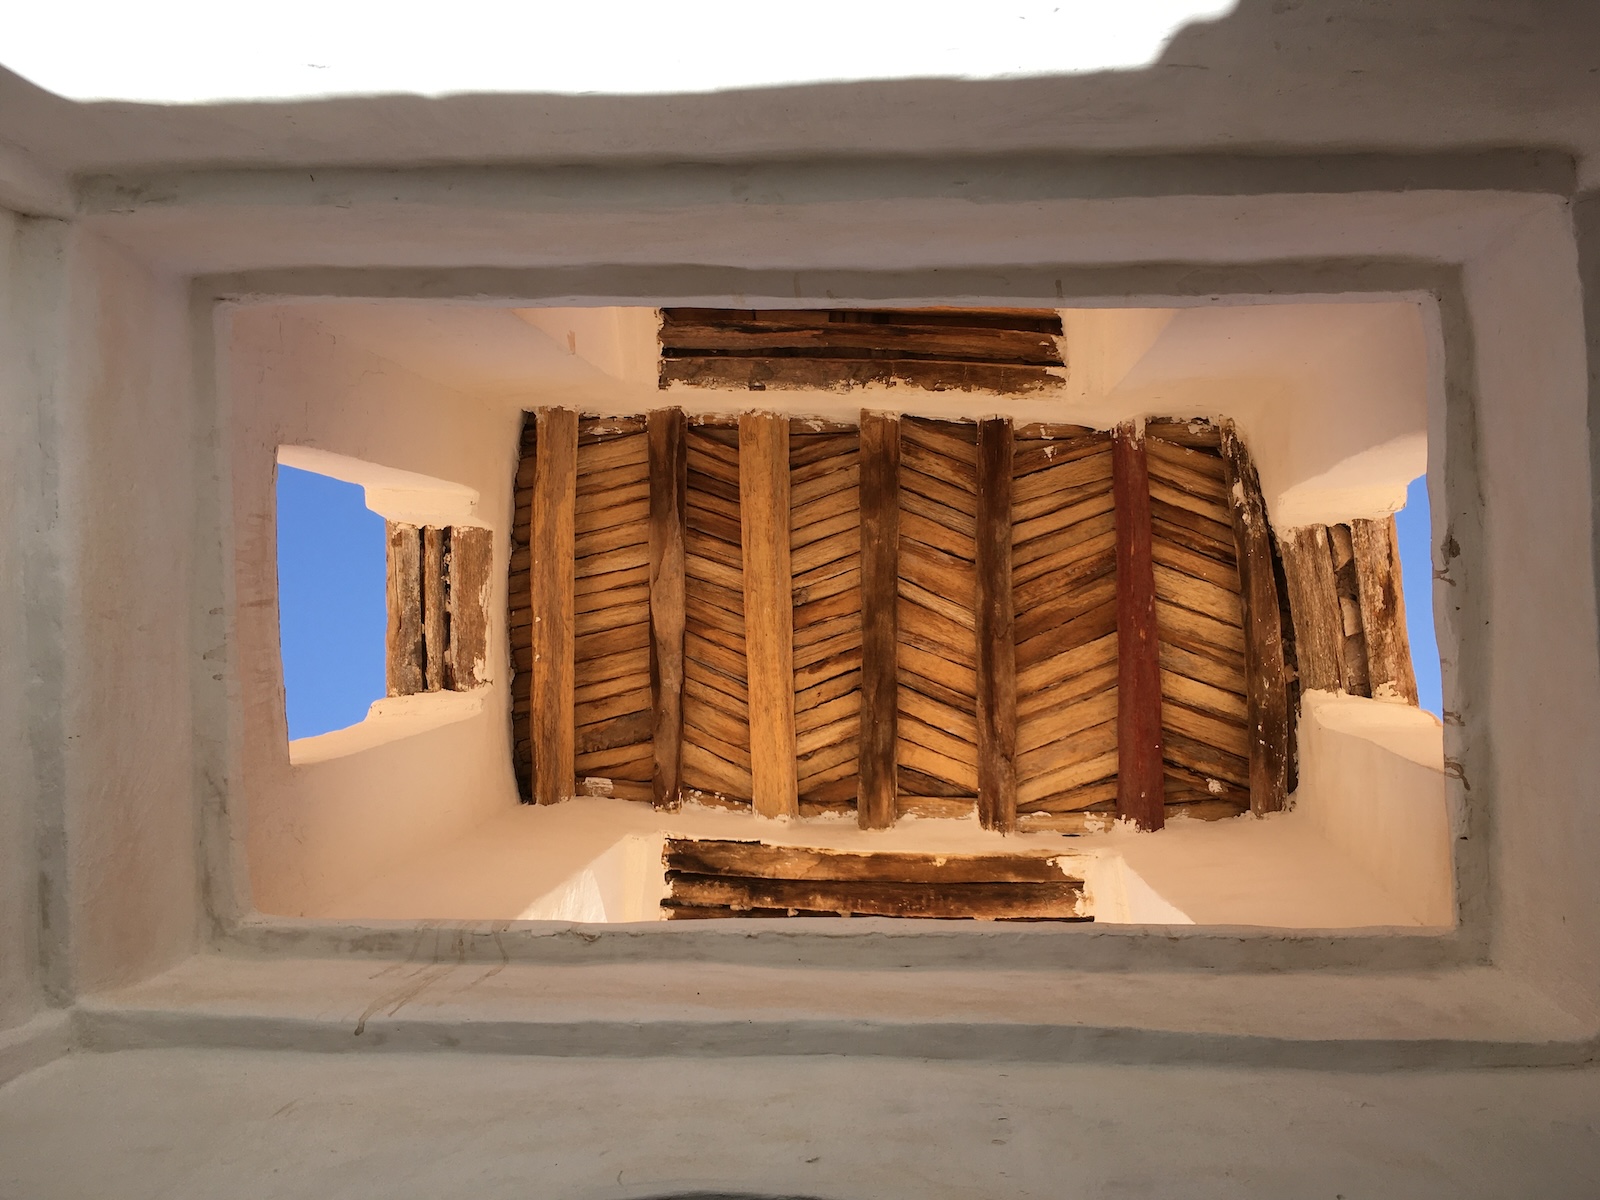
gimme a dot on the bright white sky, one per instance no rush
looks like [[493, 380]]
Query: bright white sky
[[200, 51]]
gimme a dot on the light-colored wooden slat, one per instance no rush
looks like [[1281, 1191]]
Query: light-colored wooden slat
[[597, 485], [625, 558], [611, 666], [1205, 760], [935, 633], [819, 763], [956, 676], [841, 547], [843, 502], [825, 691], [819, 531], [837, 479], [1065, 638], [825, 631], [618, 537], [845, 604], [1208, 512], [608, 455], [920, 529], [608, 733], [938, 466], [702, 649], [617, 685], [957, 614], [944, 807], [1039, 706], [592, 503], [709, 616], [1174, 525], [1073, 800], [938, 573], [1217, 668], [940, 491], [829, 649], [954, 521], [811, 675], [1040, 456], [712, 549], [1067, 722], [1181, 558], [714, 688], [1052, 481], [1064, 780], [1228, 706], [1230, 737], [1199, 462], [764, 503], [602, 584], [708, 504], [845, 729], [826, 713], [1195, 631], [1083, 746], [434, 607], [612, 641], [614, 617], [595, 606], [1036, 633], [609, 516], [698, 567], [1066, 518], [705, 771], [623, 704], [716, 467], [1197, 483], [959, 723], [709, 726], [963, 774], [955, 441], [1046, 553], [1044, 590], [1199, 596], [554, 678]]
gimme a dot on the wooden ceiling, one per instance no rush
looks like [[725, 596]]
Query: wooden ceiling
[[1008, 351]]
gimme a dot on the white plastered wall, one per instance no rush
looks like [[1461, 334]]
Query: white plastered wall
[[325, 825]]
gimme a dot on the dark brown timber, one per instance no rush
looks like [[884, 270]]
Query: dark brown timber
[[997, 665], [435, 620], [880, 574], [669, 476], [552, 577], [1140, 796], [1267, 698]]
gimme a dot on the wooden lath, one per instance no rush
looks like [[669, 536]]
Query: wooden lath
[[1001, 350], [937, 640], [749, 879], [946, 620], [613, 707], [825, 589], [1064, 591], [1205, 735]]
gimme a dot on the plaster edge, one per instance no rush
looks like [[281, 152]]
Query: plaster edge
[[41, 1040]]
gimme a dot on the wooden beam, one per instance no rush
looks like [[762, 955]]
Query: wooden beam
[[997, 664], [756, 860], [1314, 608], [1267, 694], [1140, 779], [1390, 672], [471, 558], [435, 620], [555, 492], [768, 611], [404, 657], [669, 481], [880, 581]]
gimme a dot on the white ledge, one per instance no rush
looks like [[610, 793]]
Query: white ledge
[[1474, 1016], [389, 720]]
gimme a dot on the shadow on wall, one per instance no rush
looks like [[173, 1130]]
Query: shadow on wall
[[1340, 71]]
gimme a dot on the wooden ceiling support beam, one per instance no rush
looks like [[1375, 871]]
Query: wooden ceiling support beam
[[1390, 672], [1314, 608], [669, 479], [471, 559], [1267, 697], [555, 496], [997, 664], [768, 611], [880, 583], [1140, 776]]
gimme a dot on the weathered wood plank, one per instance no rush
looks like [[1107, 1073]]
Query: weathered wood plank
[[471, 563], [992, 901], [754, 860], [405, 653], [1139, 797], [552, 583], [1314, 608], [997, 664], [1265, 669], [1390, 673], [665, 435], [435, 619], [764, 503]]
